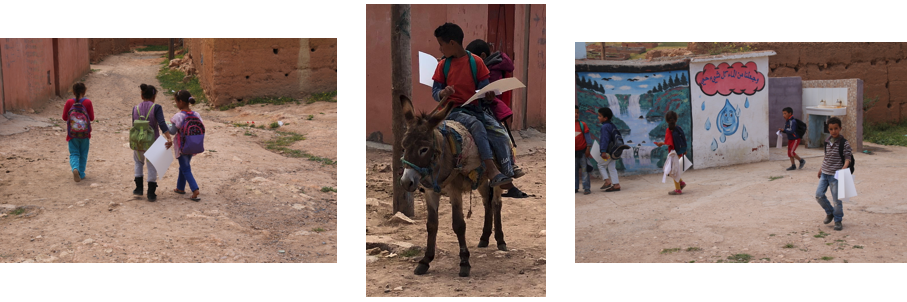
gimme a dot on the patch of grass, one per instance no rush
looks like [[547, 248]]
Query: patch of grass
[[154, 48], [275, 125], [693, 249], [673, 44], [821, 234], [173, 80], [322, 97], [830, 243], [766, 259], [17, 211], [826, 258], [317, 230], [284, 139], [739, 258], [249, 134], [773, 178], [868, 103], [310, 117], [328, 189], [410, 253], [670, 250], [718, 48], [886, 133], [771, 235], [263, 101], [839, 240], [95, 70], [719, 261], [788, 246], [858, 246], [692, 261]]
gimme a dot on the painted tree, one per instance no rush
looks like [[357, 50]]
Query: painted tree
[[683, 80]]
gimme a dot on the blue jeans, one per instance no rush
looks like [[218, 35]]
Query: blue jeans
[[78, 155], [826, 181], [185, 174], [581, 169], [487, 135]]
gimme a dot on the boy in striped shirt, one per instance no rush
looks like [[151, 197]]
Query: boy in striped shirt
[[830, 164]]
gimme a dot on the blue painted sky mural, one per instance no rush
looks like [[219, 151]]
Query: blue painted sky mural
[[632, 83]]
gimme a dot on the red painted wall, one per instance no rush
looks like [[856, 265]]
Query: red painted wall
[[535, 86], [72, 63], [28, 72]]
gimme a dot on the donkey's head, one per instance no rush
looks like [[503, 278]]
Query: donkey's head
[[420, 148]]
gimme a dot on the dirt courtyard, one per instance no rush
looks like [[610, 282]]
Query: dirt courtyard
[[739, 212], [517, 272], [256, 205]]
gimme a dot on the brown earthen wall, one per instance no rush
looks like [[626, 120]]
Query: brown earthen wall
[[28, 72], [881, 66], [100, 48], [72, 63]]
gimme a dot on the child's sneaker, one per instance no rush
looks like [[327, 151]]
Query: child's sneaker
[[792, 167], [802, 163], [606, 186], [828, 219], [675, 192], [75, 175], [683, 185], [838, 226], [587, 192]]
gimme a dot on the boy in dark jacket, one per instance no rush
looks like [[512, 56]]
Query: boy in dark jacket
[[609, 168], [790, 127]]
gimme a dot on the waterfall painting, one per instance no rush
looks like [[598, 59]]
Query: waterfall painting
[[639, 102]]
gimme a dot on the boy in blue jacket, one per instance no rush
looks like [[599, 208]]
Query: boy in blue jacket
[[612, 183], [790, 127]]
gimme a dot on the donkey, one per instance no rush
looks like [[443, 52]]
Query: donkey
[[430, 161]]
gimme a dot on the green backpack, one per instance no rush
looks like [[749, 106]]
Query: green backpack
[[141, 135], [472, 66]]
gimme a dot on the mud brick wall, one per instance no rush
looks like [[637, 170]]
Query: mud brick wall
[[28, 72], [881, 66], [784, 92], [232, 70], [72, 63], [100, 48]]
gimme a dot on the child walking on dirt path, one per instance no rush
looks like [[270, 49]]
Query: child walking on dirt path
[[835, 145], [582, 154], [183, 100], [149, 115], [608, 169], [793, 139], [676, 141], [78, 114]]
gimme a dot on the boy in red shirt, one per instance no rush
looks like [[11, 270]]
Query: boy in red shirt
[[582, 154], [457, 84], [78, 114]]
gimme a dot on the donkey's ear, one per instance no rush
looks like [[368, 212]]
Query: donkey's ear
[[440, 115], [407, 108]]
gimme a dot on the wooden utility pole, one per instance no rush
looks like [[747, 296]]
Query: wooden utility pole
[[401, 75], [170, 50]]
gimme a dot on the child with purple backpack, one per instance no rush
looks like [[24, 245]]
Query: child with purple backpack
[[190, 135], [78, 114]]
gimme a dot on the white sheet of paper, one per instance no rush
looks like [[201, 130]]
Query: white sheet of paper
[[160, 156], [778, 145], [499, 86], [667, 168], [596, 154], [686, 162], [427, 65], [846, 187]]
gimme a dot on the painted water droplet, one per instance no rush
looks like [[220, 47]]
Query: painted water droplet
[[744, 135], [714, 144], [747, 103], [703, 106], [708, 124], [723, 138], [727, 119]]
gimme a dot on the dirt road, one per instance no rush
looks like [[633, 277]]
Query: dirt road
[[256, 205], [738, 211], [519, 272]]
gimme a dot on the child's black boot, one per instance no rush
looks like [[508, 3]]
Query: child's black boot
[[838, 226], [151, 188], [139, 186], [828, 219], [792, 167]]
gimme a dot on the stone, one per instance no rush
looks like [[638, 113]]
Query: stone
[[540, 261], [259, 179], [373, 251], [386, 243], [95, 185], [372, 202], [234, 157], [298, 206], [398, 289], [371, 259], [88, 241], [401, 218], [542, 233], [384, 254]]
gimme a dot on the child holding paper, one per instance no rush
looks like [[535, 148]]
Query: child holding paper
[[183, 99], [830, 164], [790, 127], [676, 141], [608, 169], [149, 111]]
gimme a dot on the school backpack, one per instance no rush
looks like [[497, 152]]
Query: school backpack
[[801, 128], [141, 135], [853, 160], [79, 125], [680, 140], [616, 146], [472, 66], [191, 137]]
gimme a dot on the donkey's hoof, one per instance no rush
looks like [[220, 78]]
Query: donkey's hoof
[[502, 246], [464, 271], [483, 243], [421, 269]]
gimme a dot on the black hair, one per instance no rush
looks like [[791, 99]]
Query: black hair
[[185, 96], [577, 107], [78, 90], [671, 118], [148, 91], [788, 110], [449, 32], [834, 120], [478, 46], [606, 112]]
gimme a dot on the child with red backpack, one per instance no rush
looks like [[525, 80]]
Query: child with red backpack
[[795, 130], [190, 135], [148, 114], [78, 114]]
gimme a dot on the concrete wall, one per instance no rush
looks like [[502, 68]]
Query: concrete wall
[[730, 129], [785, 92], [529, 59], [28, 72], [231, 70], [72, 63]]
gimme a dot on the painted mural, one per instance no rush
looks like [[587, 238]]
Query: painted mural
[[639, 102], [729, 125]]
